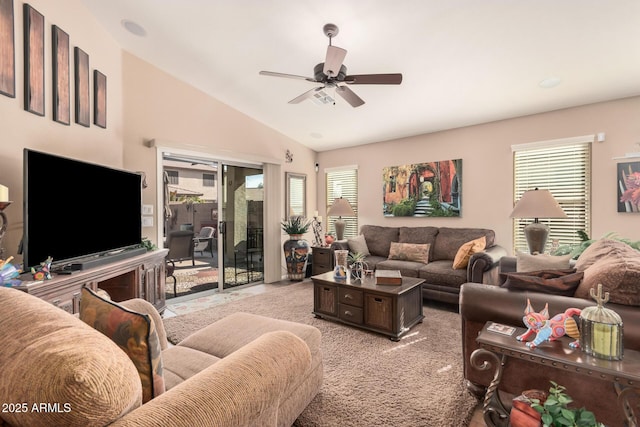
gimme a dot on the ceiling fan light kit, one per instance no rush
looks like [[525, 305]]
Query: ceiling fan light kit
[[332, 74]]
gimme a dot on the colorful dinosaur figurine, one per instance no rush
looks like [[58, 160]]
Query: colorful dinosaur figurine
[[549, 329]]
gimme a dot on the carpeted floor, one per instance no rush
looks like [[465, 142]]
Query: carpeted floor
[[369, 380]]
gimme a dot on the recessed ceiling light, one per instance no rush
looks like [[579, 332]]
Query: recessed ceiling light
[[134, 28], [550, 82]]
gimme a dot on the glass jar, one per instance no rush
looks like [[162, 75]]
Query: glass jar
[[340, 269], [601, 329]]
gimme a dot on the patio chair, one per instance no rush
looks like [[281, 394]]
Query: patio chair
[[180, 245], [203, 240]]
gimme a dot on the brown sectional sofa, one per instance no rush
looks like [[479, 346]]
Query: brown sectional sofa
[[442, 281], [480, 303]]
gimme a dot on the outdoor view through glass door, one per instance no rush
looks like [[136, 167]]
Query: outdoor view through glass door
[[241, 225], [211, 208]]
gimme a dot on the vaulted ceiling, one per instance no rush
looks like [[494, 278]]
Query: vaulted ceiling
[[463, 62]]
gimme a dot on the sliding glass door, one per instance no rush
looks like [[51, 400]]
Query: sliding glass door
[[241, 225]]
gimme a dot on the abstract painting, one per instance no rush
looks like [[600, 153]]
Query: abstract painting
[[432, 189], [61, 89], [33, 61], [81, 62], [7, 50], [628, 183]]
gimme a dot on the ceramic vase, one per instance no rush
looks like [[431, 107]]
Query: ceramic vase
[[296, 253]]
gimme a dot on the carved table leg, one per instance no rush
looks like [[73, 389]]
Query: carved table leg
[[623, 393], [495, 414]]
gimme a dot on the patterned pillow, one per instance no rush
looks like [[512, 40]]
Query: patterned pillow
[[410, 252], [133, 332], [464, 253]]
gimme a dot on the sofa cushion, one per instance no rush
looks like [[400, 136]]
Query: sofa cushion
[[556, 282], [181, 363], [50, 356], [379, 238], [406, 268], [528, 262], [618, 270], [417, 252], [442, 273], [600, 249], [418, 234], [133, 332], [463, 255], [358, 245], [449, 240], [373, 261]]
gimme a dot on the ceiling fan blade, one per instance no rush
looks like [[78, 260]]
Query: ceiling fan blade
[[306, 95], [333, 61], [374, 79], [349, 96], [289, 76]]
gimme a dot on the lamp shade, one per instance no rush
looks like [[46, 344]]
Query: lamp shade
[[341, 207], [537, 204]]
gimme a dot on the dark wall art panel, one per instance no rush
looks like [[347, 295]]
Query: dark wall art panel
[[99, 99], [61, 78], [33, 61], [7, 50], [82, 87]]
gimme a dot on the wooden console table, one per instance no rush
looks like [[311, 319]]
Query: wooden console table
[[495, 350], [386, 309], [141, 276]]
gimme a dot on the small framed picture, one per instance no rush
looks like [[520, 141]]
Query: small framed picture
[[501, 329]]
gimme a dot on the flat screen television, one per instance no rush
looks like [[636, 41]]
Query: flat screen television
[[74, 210]]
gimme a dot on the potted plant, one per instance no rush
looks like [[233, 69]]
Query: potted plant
[[555, 411], [357, 265], [296, 249], [295, 225]]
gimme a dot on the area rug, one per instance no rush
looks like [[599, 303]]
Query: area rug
[[369, 380]]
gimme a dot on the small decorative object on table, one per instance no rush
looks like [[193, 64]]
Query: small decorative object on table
[[601, 329], [7, 271], [340, 270], [328, 239], [43, 272], [358, 265], [547, 329], [317, 231], [388, 277]]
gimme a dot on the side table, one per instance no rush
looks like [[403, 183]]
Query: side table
[[321, 260], [496, 349]]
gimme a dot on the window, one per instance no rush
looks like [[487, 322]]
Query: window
[[343, 182], [564, 168], [173, 177], [208, 180]]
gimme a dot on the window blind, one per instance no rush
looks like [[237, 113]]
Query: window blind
[[564, 170], [343, 182]]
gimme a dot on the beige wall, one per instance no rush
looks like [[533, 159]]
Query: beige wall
[[21, 129], [487, 166], [160, 107]]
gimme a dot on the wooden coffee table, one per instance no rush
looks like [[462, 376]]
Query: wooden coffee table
[[386, 309]]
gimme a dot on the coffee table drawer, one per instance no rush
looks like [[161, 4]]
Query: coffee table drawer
[[351, 314], [350, 296], [379, 312]]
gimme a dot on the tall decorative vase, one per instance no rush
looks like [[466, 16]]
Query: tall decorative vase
[[296, 253]]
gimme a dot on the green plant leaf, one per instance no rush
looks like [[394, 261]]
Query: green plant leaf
[[547, 419], [569, 415]]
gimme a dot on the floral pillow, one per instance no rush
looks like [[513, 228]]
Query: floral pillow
[[410, 252], [133, 332]]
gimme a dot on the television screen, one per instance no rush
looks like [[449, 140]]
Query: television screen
[[74, 209]]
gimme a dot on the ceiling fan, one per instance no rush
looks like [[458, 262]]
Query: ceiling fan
[[332, 74]]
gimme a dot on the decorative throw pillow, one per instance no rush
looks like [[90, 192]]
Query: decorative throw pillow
[[466, 250], [598, 250], [133, 332], [358, 245], [618, 272], [556, 282], [410, 252], [527, 262]]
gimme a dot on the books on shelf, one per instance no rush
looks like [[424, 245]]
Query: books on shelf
[[388, 277]]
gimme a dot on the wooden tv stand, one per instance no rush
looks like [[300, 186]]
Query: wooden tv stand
[[141, 276]]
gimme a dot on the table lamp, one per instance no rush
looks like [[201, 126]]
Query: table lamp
[[341, 207], [537, 204]]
